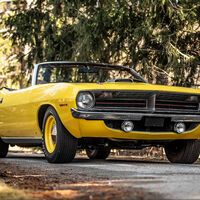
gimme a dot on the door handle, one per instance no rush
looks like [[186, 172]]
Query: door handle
[[1, 100]]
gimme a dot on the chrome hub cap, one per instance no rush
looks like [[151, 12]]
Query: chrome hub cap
[[54, 133]]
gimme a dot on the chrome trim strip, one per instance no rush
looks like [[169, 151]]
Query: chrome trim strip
[[144, 110], [34, 77], [90, 115]]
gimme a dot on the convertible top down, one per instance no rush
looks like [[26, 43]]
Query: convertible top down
[[97, 107]]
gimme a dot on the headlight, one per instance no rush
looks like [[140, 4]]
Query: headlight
[[85, 100]]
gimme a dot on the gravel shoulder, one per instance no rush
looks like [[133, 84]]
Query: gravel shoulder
[[116, 178], [38, 179]]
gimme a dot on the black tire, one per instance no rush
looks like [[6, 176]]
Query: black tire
[[65, 144], [183, 151], [3, 149], [98, 153]]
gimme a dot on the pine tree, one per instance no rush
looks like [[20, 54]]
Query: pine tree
[[159, 38]]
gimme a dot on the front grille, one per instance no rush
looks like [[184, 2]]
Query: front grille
[[172, 101], [121, 99], [121, 103], [176, 105], [146, 101]]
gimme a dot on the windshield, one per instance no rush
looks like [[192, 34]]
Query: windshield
[[73, 73]]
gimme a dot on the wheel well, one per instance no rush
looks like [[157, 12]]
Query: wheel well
[[41, 114]]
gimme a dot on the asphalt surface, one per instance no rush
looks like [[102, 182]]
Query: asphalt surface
[[171, 181]]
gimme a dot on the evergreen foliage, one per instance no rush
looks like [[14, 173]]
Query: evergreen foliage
[[159, 38]]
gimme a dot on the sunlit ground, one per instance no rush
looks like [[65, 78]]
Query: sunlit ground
[[25, 149], [8, 193]]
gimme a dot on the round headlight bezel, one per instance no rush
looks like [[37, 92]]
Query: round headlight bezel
[[79, 100]]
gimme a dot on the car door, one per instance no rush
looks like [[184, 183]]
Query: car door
[[16, 118]]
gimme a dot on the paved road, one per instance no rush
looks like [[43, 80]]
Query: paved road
[[172, 181]]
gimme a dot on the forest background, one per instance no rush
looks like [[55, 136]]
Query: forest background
[[158, 38]]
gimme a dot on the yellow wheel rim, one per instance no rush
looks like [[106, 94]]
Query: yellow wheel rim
[[50, 134]]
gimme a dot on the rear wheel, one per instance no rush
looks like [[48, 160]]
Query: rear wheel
[[3, 149], [58, 144], [98, 153], [183, 151]]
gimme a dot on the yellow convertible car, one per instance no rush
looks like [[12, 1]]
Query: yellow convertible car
[[98, 107]]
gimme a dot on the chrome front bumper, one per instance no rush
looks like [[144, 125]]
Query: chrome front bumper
[[94, 115]]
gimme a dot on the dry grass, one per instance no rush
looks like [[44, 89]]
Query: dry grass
[[8, 193]]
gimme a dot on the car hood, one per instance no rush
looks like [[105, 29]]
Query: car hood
[[133, 86], [59, 89]]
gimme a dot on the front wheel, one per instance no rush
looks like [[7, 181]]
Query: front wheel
[[98, 153], [59, 145], [3, 149], [183, 151]]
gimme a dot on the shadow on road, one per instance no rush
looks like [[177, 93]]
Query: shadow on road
[[84, 159]]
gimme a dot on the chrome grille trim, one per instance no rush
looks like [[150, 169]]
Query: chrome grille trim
[[147, 101]]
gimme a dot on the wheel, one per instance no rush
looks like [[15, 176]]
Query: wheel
[[59, 145], [183, 151], [98, 153], [3, 149]]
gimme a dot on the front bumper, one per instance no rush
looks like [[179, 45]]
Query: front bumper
[[94, 115]]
